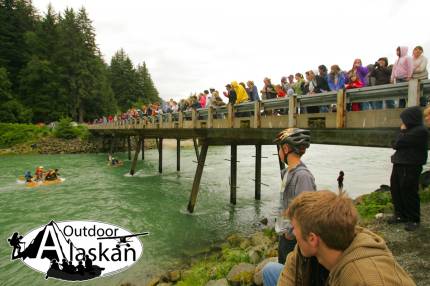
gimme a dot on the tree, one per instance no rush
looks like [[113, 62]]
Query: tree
[[124, 80], [11, 110], [16, 19], [150, 92]]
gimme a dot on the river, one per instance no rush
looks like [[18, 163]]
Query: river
[[157, 203]]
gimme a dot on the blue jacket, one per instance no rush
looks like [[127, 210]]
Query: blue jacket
[[340, 83]]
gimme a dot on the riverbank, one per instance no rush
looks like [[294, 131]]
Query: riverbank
[[239, 260], [18, 139]]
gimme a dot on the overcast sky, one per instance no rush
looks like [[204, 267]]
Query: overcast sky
[[192, 45]]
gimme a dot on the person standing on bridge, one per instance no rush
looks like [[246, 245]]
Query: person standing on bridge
[[296, 178], [411, 154]]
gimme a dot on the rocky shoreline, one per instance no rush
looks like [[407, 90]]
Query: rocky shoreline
[[240, 259], [54, 145]]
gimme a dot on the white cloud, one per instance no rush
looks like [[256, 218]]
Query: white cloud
[[192, 45]]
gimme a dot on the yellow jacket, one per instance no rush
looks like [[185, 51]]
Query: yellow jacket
[[241, 94]]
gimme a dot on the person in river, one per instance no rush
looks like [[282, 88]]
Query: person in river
[[340, 180], [51, 175], [39, 173], [411, 147], [296, 178], [28, 176], [325, 226]]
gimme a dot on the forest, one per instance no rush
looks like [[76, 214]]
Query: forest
[[52, 68]]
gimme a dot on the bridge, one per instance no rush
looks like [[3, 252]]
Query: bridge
[[257, 123]]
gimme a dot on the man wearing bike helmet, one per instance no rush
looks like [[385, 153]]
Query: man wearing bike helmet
[[296, 178]]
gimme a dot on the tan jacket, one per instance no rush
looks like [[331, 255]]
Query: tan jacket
[[366, 262]]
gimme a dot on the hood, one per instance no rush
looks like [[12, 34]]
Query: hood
[[365, 244], [234, 84], [412, 116], [403, 51]]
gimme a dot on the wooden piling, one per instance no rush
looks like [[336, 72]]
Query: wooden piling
[[178, 154], [341, 109], [136, 156], [199, 171], [258, 172], [143, 148], [233, 173], [160, 155], [129, 147], [196, 147]]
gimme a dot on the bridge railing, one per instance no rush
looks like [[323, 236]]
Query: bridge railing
[[291, 111]]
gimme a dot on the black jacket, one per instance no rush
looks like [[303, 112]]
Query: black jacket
[[381, 75], [411, 144]]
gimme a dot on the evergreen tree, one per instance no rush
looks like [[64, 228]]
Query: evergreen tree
[[150, 92], [124, 80], [11, 110], [16, 19]]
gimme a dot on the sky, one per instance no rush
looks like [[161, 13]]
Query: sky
[[193, 45]]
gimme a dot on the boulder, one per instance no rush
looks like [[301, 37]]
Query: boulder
[[219, 282], [241, 274], [245, 244], [264, 221], [254, 256], [234, 240], [259, 238], [174, 275], [154, 281], [258, 275]]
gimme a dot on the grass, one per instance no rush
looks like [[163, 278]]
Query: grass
[[213, 267], [380, 202]]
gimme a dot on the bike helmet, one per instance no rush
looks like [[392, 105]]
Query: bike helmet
[[297, 138]]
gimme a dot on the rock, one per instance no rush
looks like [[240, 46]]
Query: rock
[[379, 215], [165, 284], [264, 221], [234, 240], [254, 256], [258, 275], [241, 274], [272, 251], [219, 282], [175, 275], [259, 238], [154, 281], [245, 244], [164, 278], [383, 188]]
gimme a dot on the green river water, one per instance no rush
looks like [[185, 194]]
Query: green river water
[[157, 203]]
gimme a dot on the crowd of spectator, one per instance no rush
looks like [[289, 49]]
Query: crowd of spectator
[[322, 80]]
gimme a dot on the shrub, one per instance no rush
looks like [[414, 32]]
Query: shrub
[[65, 129], [13, 133]]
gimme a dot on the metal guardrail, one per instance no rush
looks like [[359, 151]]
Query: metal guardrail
[[365, 94]]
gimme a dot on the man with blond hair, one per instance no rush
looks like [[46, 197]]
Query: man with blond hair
[[325, 226]]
